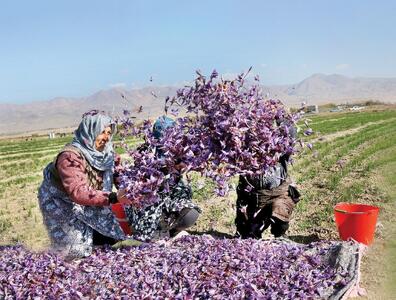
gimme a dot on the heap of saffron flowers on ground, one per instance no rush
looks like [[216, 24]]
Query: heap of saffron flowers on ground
[[192, 267], [224, 128]]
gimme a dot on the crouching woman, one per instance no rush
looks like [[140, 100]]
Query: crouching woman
[[264, 201], [175, 212], [75, 195]]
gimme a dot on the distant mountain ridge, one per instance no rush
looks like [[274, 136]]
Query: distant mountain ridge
[[65, 112], [335, 88]]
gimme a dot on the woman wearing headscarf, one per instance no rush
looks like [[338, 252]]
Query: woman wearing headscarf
[[76, 192], [174, 213]]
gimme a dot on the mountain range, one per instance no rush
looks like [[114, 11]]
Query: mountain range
[[62, 112]]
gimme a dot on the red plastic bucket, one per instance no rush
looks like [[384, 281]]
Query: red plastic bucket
[[356, 221], [119, 212]]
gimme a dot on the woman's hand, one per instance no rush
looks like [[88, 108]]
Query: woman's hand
[[122, 197]]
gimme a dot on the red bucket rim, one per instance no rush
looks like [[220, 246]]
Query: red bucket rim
[[372, 209]]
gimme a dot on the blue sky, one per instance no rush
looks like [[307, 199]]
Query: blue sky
[[75, 48]]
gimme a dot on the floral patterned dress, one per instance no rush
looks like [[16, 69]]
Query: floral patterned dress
[[156, 220], [70, 225]]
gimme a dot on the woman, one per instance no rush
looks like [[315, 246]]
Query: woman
[[76, 192], [174, 213], [265, 200]]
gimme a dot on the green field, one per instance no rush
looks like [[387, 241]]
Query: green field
[[353, 160]]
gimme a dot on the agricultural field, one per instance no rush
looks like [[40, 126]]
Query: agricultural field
[[352, 160]]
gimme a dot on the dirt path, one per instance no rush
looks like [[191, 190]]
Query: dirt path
[[379, 263]]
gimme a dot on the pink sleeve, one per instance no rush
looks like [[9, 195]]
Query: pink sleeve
[[71, 170]]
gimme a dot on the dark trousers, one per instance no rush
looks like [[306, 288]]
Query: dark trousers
[[99, 239], [184, 219], [251, 222]]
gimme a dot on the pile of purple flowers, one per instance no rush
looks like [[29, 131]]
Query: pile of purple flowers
[[226, 128], [192, 267]]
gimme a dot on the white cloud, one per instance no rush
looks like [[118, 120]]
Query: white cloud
[[118, 85], [343, 66], [263, 65]]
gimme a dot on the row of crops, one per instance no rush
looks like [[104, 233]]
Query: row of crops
[[342, 168], [21, 165]]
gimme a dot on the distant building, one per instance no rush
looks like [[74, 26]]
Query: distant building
[[314, 109], [338, 108]]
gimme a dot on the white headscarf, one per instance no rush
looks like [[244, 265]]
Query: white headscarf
[[85, 135]]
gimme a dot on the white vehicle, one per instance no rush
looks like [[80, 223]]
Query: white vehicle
[[356, 108]]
